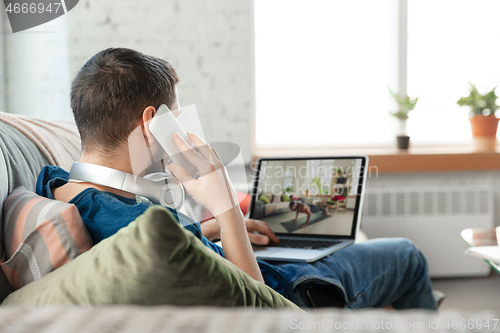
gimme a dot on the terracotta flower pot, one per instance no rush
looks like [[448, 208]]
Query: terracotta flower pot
[[485, 126], [484, 131]]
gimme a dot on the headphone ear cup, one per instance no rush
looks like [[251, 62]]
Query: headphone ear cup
[[172, 193], [172, 196]]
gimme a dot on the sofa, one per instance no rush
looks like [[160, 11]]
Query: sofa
[[84, 295]]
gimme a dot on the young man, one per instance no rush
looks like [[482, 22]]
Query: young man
[[299, 207], [119, 90]]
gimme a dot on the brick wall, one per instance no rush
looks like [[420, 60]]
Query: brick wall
[[210, 44]]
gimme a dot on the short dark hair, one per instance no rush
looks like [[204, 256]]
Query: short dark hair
[[112, 89], [292, 203]]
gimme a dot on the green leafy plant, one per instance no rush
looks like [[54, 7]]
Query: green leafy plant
[[316, 182], [405, 105], [480, 104]]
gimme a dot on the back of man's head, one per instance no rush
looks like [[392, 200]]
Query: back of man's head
[[112, 90]]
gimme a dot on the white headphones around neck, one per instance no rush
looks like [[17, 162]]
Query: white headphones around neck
[[159, 188]]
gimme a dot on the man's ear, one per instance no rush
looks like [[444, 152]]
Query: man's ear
[[147, 116]]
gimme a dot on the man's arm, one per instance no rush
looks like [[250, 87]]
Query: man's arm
[[259, 232], [214, 191], [210, 229], [308, 216]]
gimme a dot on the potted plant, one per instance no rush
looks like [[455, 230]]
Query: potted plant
[[483, 121], [315, 183], [405, 105]]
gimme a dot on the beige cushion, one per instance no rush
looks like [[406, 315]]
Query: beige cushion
[[276, 198]]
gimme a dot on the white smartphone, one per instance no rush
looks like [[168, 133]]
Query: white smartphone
[[163, 126]]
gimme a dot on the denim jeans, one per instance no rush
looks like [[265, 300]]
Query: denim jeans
[[376, 273]]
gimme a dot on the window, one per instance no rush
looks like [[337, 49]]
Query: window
[[288, 182], [323, 68], [320, 179], [450, 42]]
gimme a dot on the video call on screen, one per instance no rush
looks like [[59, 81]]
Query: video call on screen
[[315, 196]]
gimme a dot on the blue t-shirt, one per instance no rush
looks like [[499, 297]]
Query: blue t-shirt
[[104, 213]]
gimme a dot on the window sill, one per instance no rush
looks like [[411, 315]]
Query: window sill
[[417, 159]]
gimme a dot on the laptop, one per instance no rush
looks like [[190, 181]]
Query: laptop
[[312, 204]]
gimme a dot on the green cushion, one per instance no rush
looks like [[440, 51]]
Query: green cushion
[[285, 198], [150, 262], [264, 198]]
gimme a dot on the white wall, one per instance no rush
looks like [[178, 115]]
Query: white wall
[[209, 43], [35, 76]]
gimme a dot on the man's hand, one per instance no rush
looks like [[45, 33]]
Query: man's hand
[[262, 237], [213, 189]]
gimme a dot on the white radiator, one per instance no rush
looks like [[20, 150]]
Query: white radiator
[[433, 219]]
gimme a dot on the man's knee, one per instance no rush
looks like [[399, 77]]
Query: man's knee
[[407, 250], [404, 243]]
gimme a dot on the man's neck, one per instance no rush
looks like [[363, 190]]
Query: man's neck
[[114, 161]]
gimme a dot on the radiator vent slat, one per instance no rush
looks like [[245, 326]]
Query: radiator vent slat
[[414, 203], [442, 204], [455, 202], [428, 201], [386, 204]]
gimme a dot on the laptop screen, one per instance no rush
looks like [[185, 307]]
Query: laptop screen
[[309, 196]]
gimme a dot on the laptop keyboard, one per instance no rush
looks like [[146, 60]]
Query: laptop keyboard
[[306, 244]]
